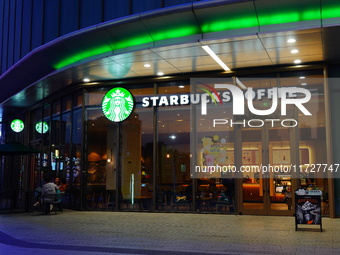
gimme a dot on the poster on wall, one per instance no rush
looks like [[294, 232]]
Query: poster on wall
[[281, 157], [308, 208]]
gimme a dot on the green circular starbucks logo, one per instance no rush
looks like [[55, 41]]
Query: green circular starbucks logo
[[117, 104], [17, 125], [41, 127]]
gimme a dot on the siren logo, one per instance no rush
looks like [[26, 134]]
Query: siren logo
[[17, 125], [117, 104], [41, 127]]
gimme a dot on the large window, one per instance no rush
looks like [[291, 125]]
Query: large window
[[119, 156]]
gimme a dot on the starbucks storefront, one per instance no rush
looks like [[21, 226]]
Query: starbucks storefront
[[142, 151]]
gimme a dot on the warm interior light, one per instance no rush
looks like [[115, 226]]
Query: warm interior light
[[147, 65], [215, 57], [86, 79], [297, 61], [294, 51], [160, 73], [291, 40], [302, 77], [304, 84]]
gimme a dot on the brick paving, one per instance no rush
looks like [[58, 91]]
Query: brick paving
[[79, 232]]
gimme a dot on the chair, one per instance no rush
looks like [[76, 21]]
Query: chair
[[56, 202], [226, 205]]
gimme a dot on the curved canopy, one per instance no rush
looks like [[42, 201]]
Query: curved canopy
[[243, 33]]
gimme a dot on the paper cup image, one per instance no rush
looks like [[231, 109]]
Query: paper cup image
[[209, 160], [222, 156], [206, 145]]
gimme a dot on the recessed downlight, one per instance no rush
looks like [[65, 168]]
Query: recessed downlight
[[302, 77], [291, 40], [147, 65], [304, 84], [181, 86], [160, 73], [297, 61], [294, 51], [86, 79]]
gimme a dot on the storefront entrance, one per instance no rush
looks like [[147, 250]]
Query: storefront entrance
[[271, 150]]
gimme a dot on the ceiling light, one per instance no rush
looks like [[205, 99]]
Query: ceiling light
[[291, 40], [147, 65], [215, 57], [181, 86], [160, 73], [294, 51], [86, 79], [304, 84], [302, 77], [172, 137], [297, 61]]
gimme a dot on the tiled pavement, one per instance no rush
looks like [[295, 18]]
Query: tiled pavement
[[75, 232]]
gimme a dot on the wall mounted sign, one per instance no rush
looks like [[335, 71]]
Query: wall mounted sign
[[17, 125], [117, 104], [41, 127]]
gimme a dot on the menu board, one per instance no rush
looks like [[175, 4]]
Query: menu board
[[308, 209]]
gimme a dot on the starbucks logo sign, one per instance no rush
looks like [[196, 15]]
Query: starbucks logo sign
[[17, 125], [117, 104], [41, 127]]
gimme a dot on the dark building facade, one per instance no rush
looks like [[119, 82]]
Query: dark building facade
[[60, 59]]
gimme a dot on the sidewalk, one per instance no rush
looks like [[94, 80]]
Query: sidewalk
[[75, 232]]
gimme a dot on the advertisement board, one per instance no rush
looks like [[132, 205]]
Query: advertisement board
[[308, 208]]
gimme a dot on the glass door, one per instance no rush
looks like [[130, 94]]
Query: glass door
[[282, 150], [267, 156], [252, 181]]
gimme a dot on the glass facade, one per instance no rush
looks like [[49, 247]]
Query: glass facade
[[144, 163]]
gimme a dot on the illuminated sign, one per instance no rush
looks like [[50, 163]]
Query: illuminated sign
[[117, 104], [281, 98], [41, 127], [17, 125]]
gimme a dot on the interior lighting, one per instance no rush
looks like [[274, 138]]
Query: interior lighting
[[304, 84], [147, 65], [291, 40], [302, 77], [173, 137], [215, 57], [297, 61], [181, 86], [294, 51], [86, 79], [160, 73]]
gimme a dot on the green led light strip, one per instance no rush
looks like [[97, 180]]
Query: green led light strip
[[248, 20]]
